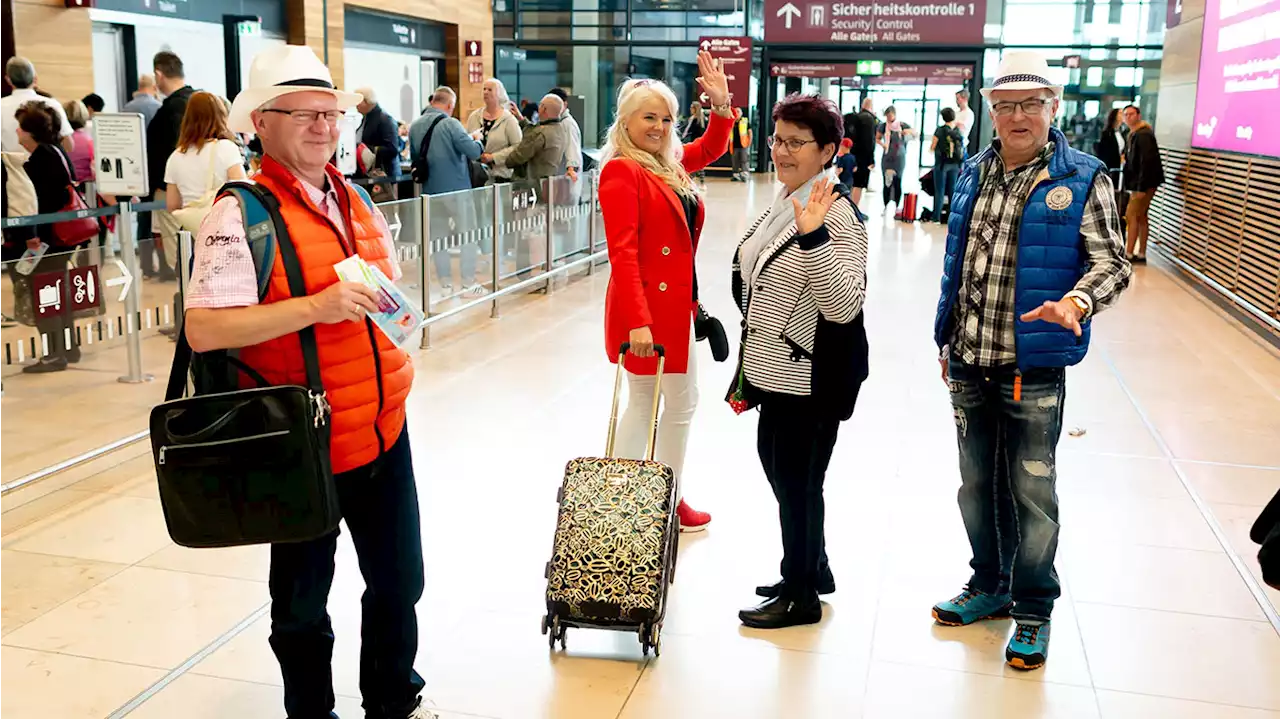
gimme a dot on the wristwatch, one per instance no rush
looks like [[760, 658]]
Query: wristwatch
[[1080, 305]]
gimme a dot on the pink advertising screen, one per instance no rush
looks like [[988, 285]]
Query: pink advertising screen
[[1239, 89]]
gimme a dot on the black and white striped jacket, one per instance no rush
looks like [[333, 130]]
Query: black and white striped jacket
[[803, 317]]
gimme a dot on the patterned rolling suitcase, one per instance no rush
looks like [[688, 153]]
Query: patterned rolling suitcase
[[616, 539]]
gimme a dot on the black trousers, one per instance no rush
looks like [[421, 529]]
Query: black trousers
[[795, 445], [379, 503]]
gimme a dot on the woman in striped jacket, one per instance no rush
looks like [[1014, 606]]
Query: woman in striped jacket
[[799, 278]]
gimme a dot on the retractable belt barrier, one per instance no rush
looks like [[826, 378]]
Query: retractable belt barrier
[[51, 217]]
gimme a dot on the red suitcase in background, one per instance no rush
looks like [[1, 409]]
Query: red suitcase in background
[[908, 211]]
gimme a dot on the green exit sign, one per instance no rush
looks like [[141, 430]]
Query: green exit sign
[[870, 67], [248, 28]]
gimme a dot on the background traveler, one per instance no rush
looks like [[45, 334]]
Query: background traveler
[[495, 126], [162, 138], [378, 133], [694, 128], [52, 176], [653, 219], [740, 145], [1143, 173], [892, 136], [804, 346], [845, 165], [144, 100], [291, 106], [93, 103], [947, 147], [21, 74], [206, 157], [864, 152], [1040, 255], [445, 160], [572, 150], [81, 153], [965, 119]]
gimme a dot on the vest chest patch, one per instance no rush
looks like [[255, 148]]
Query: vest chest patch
[[1059, 198]]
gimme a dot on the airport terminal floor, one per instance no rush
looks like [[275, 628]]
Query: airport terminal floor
[[1173, 446]]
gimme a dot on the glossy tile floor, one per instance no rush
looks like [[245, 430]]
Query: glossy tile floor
[[1180, 413]]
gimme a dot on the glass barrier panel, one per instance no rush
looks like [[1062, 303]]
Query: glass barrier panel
[[459, 225], [67, 337], [570, 213], [522, 231], [404, 219]]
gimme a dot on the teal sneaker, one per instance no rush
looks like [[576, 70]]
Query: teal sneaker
[[970, 606], [1029, 647]]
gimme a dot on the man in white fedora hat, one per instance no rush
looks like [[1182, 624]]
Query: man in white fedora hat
[[1033, 252], [293, 107]]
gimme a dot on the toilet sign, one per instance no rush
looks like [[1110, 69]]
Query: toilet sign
[[474, 48]]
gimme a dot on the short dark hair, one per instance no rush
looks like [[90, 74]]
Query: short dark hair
[[94, 102], [948, 114], [39, 121], [815, 112], [168, 63], [560, 93], [890, 109], [1135, 108]]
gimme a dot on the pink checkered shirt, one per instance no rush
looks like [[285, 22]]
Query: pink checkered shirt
[[224, 275]]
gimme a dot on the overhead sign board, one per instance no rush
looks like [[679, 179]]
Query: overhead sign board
[[901, 73], [813, 69], [120, 149], [735, 53], [875, 22]]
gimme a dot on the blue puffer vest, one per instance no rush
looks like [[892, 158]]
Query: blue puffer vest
[[1051, 254]]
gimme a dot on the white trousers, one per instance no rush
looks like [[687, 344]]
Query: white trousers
[[679, 400]]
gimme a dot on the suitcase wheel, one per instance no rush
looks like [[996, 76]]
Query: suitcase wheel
[[554, 630], [650, 639]]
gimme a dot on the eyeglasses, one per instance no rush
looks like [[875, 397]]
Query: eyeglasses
[[792, 145], [308, 117], [1031, 106]]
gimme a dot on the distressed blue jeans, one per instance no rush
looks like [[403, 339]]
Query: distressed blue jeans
[[1008, 497]]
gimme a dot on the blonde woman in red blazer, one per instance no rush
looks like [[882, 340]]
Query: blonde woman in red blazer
[[652, 218]]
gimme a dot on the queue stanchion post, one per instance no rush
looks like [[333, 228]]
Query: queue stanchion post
[[495, 310], [132, 298], [424, 257], [549, 196]]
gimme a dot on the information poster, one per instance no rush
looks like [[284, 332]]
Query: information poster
[[1239, 88], [120, 154], [875, 22]]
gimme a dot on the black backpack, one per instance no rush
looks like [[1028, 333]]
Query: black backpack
[[421, 168]]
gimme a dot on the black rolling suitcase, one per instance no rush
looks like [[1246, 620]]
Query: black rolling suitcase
[[616, 538]]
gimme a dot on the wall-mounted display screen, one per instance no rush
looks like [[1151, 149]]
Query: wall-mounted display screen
[[1239, 88]]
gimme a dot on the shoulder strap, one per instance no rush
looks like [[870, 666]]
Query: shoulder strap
[[420, 167], [297, 288], [365, 197], [260, 211]]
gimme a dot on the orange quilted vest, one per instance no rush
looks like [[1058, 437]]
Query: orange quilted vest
[[366, 377]]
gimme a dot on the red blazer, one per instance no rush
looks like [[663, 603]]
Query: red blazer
[[652, 253]]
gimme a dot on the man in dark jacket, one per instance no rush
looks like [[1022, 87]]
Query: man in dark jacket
[[378, 132], [162, 140], [1143, 173], [864, 152]]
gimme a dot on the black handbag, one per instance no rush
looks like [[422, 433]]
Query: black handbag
[[706, 327], [479, 173], [244, 466]]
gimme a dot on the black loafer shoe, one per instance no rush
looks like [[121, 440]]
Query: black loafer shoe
[[778, 613], [769, 591]]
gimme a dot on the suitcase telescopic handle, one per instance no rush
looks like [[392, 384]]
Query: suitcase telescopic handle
[[651, 445]]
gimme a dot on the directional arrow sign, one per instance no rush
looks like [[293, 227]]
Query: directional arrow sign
[[125, 278], [706, 45], [788, 12]]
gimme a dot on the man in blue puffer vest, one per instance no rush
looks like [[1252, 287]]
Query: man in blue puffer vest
[[1034, 250]]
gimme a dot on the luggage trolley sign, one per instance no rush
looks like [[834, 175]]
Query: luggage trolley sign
[[119, 143]]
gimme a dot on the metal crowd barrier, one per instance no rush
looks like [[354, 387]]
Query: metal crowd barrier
[[497, 204]]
